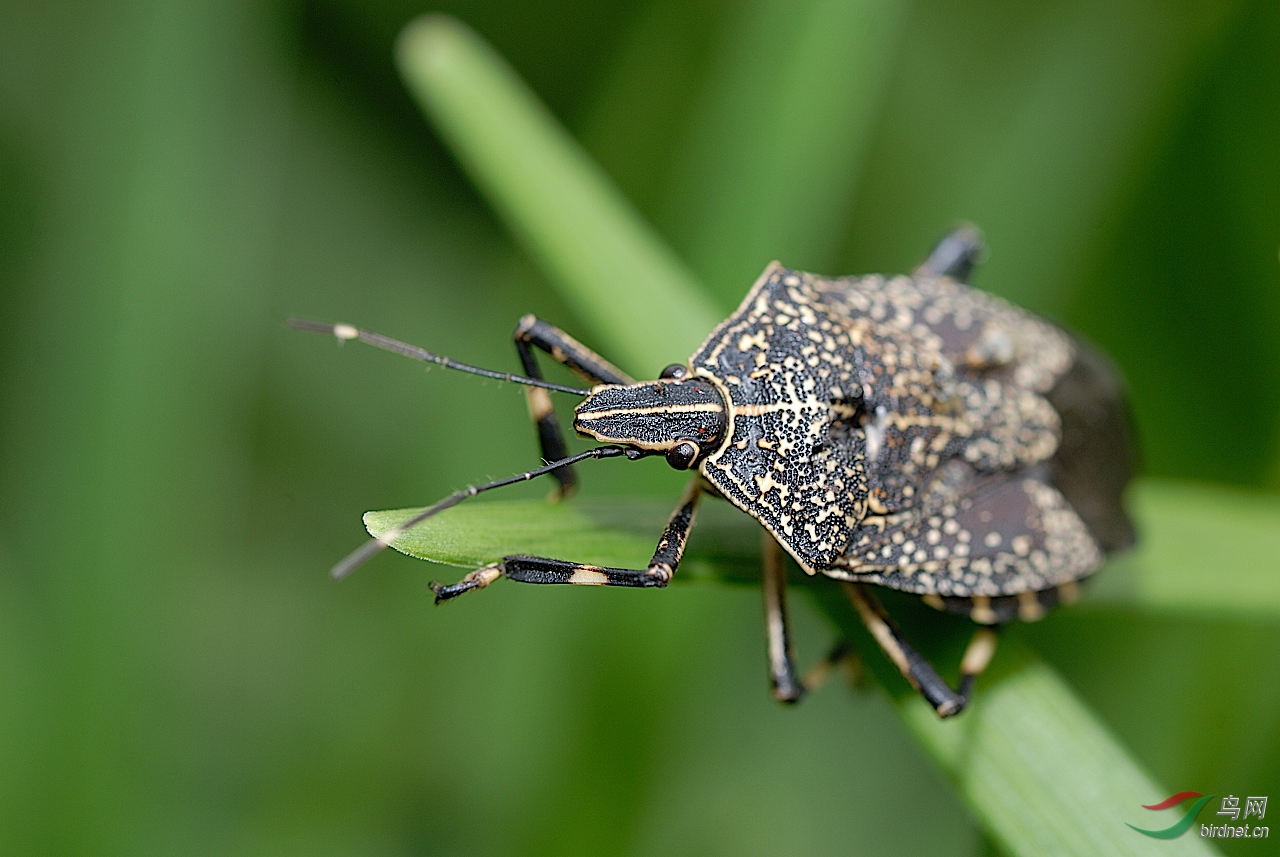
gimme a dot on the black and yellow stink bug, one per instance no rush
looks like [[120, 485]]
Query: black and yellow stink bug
[[908, 432]]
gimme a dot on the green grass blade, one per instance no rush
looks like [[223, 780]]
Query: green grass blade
[[1041, 772], [623, 280], [1203, 549]]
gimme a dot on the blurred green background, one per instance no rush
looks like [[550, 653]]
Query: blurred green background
[[178, 676]]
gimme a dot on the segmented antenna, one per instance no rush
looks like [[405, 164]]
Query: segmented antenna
[[344, 332], [358, 556]]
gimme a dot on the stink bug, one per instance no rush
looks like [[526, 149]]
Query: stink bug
[[908, 432]]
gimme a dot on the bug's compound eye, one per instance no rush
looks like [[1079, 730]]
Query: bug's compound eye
[[682, 454], [675, 372]]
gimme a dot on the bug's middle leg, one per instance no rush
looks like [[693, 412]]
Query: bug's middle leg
[[540, 569], [532, 332], [785, 682], [913, 666]]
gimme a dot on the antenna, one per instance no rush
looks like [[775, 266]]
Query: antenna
[[358, 556], [344, 332]]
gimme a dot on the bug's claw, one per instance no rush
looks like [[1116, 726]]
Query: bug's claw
[[953, 707], [789, 692], [478, 579]]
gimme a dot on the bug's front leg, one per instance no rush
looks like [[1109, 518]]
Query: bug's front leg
[[913, 666], [532, 332], [540, 569]]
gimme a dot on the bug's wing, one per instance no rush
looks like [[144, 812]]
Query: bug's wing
[[975, 331], [922, 411], [975, 534], [1096, 458], [1058, 399], [1034, 392]]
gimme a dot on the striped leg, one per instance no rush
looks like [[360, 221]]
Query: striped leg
[[955, 255], [783, 679], [912, 665], [786, 685], [539, 569], [532, 333]]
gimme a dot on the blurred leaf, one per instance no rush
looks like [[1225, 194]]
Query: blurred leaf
[[584, 233], [769, 168], [645, 99], [155, 144], [1031, 129], [1186, 296], [1039, 769]]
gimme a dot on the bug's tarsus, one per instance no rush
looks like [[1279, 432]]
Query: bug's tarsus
[[346, 332], [478, 579], [977, 656], [361, 554]]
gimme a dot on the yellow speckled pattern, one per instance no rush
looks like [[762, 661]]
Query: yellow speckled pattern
[[897, 431]]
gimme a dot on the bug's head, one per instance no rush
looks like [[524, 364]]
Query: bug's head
[[679, 415]]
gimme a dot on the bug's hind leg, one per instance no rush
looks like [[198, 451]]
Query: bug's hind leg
[[841, 656], [540, 569], [532, 332], [783, 678], [955, 255], [913, 666], [976, 659]]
